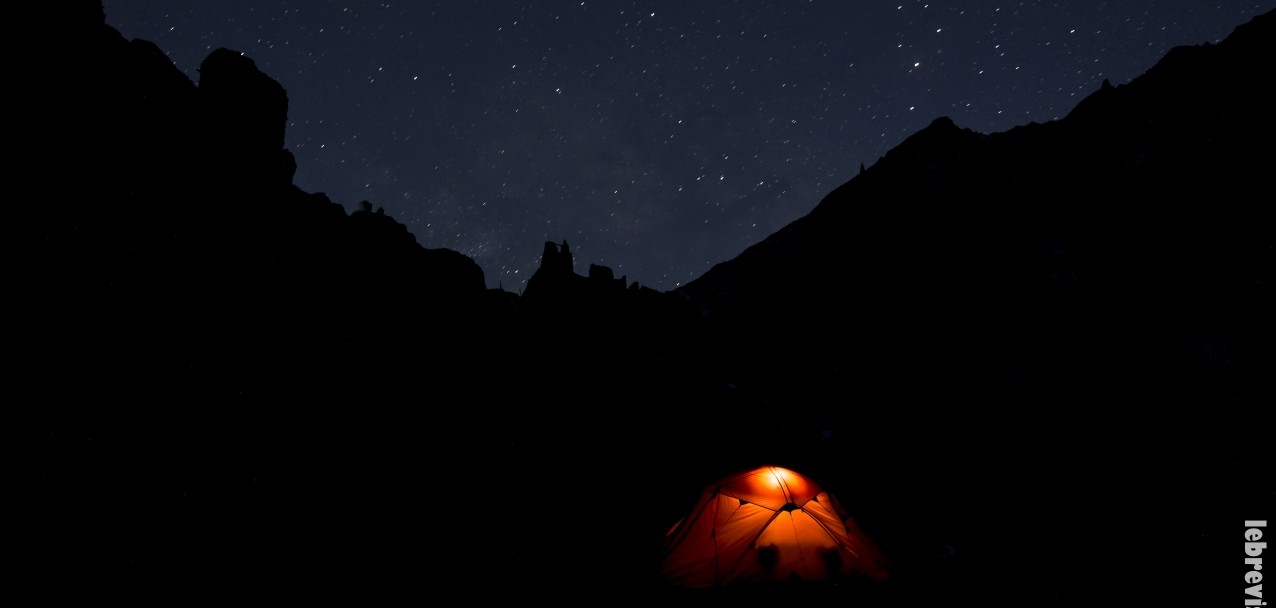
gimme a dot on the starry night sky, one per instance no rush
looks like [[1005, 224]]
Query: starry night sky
[[657, 137]]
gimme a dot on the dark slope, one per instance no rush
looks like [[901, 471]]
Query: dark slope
[[161, 243], [1126, 247]]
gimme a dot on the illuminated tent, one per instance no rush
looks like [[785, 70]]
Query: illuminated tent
[[768, 524]]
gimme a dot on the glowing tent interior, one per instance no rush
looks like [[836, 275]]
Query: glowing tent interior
[[767, 524]]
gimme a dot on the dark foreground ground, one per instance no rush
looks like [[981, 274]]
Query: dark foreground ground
[[408, 510]]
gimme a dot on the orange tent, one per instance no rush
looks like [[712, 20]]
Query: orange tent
[[767, 524]]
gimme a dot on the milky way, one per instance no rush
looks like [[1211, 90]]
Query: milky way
[[656, 137]]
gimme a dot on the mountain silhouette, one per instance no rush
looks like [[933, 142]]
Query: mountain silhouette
[[1126, 247], [1027, 362]]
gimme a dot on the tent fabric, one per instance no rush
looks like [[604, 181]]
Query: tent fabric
[[767, 524]]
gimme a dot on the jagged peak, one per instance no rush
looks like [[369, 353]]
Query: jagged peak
[[942, 122]]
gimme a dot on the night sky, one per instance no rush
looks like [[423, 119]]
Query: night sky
[[656, 137]]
